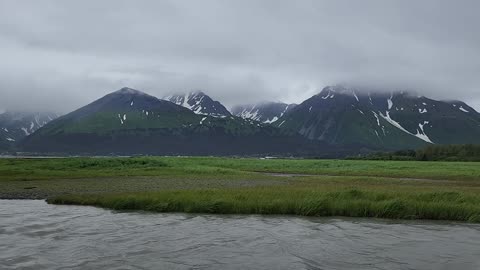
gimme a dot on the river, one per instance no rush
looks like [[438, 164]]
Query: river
[[35, 235]]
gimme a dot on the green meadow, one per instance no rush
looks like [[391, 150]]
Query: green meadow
[[355, 188]]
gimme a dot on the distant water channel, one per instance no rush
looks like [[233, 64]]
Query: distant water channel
[[34, 235]]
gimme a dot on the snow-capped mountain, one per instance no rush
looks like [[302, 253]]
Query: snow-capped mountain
[[199, 103], [266, 112], [341, 115], [337, 120], [129, 121], [14, 126]]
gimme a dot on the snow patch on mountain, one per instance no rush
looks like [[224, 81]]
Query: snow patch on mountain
[[463, 109], [267, 113], [422, 111], [26, 131], [199, 103], [393, 122], [421, 134], [376, 116], [397, 125], [355, 95], [273, 120], [390, 102], [250, 114], [17, 125]]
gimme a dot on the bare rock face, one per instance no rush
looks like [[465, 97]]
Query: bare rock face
[[266, 112], [199, 103]]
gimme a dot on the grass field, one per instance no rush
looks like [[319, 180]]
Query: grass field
[[389, 189]]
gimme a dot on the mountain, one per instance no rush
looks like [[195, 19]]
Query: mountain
[[199, 103], [131, 122], [14, 125], [341, 115], [336, 122], [122, 110], [267, 112]]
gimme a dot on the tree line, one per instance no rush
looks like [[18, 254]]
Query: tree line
[[463, 152]]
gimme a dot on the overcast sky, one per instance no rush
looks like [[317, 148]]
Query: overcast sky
[[60, 55]]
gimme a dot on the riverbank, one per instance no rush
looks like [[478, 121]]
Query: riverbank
[[303, 201], [384, 189]]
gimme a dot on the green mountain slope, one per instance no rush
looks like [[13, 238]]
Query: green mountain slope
[[340, 116], [131, 122]]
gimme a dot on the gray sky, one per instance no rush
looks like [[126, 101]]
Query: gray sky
[[60, 55]]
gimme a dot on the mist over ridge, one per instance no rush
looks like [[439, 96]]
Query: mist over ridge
[[238, 53]]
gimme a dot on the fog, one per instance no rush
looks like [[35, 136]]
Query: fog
[[60, 55]]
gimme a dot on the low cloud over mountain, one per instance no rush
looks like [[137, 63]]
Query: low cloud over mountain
[[241, 52]]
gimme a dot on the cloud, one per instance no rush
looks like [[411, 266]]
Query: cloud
[[60, 55]]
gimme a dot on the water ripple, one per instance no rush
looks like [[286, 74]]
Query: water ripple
[[34, 235]]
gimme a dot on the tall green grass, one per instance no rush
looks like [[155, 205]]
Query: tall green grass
[[349, 202], [11, 169], [341, 188]]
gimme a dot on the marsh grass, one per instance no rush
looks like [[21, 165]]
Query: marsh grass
[[350, 202], [12, 169], [355, 188], [71, 168]]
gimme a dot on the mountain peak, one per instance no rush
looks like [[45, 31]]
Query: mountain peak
[[393, 119], [265, 112], [200, 103], [330, 92], [197, 92], [129, 91]]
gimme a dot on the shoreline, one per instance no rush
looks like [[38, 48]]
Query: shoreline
[[352, 202], [398, 190], [343, 218]]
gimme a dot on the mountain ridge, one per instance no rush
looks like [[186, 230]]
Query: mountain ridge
[[338, 118], [336, 113], [131, 122], [16, 125], [264, 112], [199, 103]]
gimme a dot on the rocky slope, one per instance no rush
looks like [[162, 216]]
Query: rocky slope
[[266, 112], [199, 103]]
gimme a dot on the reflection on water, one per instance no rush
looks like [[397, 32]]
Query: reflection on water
[[34, 235]]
